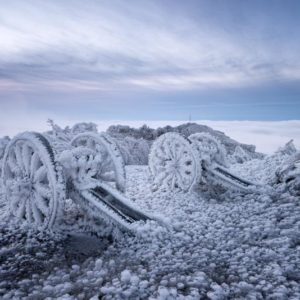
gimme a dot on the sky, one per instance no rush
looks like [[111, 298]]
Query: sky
[[148, 60]]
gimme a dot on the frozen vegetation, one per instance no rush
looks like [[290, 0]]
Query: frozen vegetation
[[214, 237]]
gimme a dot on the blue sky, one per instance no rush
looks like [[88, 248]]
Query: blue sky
[[151, 60]]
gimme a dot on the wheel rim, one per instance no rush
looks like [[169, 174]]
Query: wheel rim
[[111, 169], [29, 180], [172, 162]]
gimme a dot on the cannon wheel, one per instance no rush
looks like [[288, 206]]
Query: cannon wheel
[[112, 164], [209, 148], [32, 184], [173, 163]]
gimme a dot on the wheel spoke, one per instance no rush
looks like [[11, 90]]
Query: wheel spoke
[[161, 177], [42, 189], [169, 152], [9, 172], [19, 158], [14, 200], [173, 182], [102, 153], [41, 204], [26, 156], [28, 213], [173, 150], [185, 160], [20, 212], [12, 164], [180, 180], [34, 164], [180, 153], [163, 149], [40, 174], [36, 213], [160, 157], [168, 179]]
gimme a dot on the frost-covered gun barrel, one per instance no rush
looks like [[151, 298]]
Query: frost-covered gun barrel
[[180, 163], [41, 171]]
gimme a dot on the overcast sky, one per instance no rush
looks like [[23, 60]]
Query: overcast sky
[[151, 60]]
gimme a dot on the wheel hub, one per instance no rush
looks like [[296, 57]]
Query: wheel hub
[[24, 187], [173, 165]]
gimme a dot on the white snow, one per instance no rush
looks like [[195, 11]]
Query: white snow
[[238, 247]]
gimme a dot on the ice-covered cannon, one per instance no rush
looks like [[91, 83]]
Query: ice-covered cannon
[[177, 162], [39, 172]]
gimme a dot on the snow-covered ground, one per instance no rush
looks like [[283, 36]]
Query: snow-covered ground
[[229, 247]]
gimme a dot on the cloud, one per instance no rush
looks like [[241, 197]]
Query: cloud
[[113, 45]]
